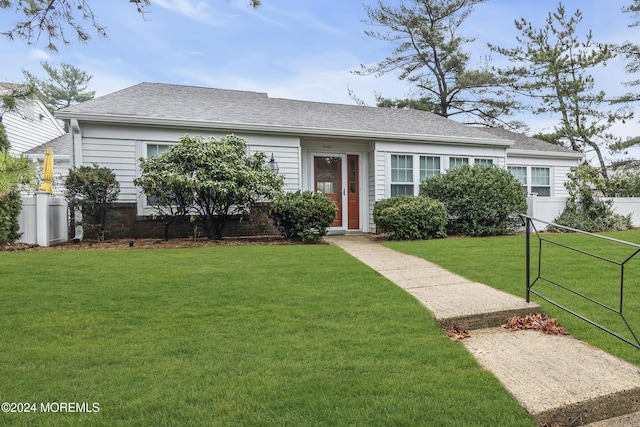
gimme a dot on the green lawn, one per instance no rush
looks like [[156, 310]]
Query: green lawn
[[500, 262], [231, 336]]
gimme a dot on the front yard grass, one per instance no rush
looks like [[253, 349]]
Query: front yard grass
[[247, 335], [500, 262]]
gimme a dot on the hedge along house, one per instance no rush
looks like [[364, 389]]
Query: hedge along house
[[355, 155]]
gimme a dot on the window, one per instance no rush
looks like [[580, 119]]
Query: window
[[154, 150], [29, 110], [540, 181], [483, 162], [456, 162], [520, 172], [401, 174], [429, 166]]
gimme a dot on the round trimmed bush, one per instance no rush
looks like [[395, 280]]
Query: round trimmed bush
[[481, 200], [411, 218], [303, 215]]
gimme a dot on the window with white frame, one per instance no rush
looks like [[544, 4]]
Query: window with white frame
[[541, 181], [429, 166], [456, 162], [533, 179], [483, 161], [154, 150], [401, 174], [520, 173]]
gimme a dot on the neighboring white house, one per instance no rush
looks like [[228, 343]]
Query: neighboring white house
[[29, 125], [61, 160], [356, 155]]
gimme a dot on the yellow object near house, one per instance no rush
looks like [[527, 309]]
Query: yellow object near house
[[48, 171]]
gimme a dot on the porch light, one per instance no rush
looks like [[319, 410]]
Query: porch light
[[273, 166]]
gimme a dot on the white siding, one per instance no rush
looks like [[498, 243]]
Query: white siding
[[559, 178], [286, 153], [26, 132], [371, 173], [117, 155], [380, 175]]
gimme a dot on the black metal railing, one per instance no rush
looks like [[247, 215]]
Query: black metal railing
[[530, 227]]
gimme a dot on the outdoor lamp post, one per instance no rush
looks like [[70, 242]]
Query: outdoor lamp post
[[273, 166]]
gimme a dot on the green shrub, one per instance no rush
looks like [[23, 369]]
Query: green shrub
[[575, 217], [584, 209], [411, 218], [481, 200], [303, 215], [93, 189], [10, 206]]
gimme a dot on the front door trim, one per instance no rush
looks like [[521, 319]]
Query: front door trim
[[343, 189]]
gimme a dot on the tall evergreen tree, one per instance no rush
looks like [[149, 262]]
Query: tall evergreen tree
[[552, 70], [65, 86], [429, 51], [631, 51]]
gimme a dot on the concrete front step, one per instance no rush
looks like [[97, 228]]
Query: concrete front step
[[470, 305], [558, 379]]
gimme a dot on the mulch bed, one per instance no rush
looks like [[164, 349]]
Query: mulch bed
[[151, 244]]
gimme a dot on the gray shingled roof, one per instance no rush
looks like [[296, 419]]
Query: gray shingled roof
[[175, 103], [60, 146], [524, 142], [198, 104]]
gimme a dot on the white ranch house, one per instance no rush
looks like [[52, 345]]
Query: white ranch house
[[356, 155]]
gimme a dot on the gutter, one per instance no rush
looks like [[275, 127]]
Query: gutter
[[545, 154], [282, 129]]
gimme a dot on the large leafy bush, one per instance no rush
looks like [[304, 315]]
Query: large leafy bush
[[93, 189], [303, 215], [410, 218], [481, 200], [211, 179]]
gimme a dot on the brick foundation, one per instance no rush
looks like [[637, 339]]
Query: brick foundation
[[123, 222]]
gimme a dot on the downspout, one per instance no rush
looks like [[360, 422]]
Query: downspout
[[76, 160]]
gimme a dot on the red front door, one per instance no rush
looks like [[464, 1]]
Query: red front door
[[327, 173], [353, 195]]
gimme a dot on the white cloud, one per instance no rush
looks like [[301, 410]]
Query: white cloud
[[39, 54], [198, 11]]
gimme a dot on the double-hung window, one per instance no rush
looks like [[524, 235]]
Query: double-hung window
[[154, 150], [429, 166], [520, 173], [533, 179], [401, 174], [541, 181]]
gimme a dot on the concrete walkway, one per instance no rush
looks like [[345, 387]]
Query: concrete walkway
[[559, 380]]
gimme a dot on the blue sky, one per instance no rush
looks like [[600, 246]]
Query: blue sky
[[299, 49]]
